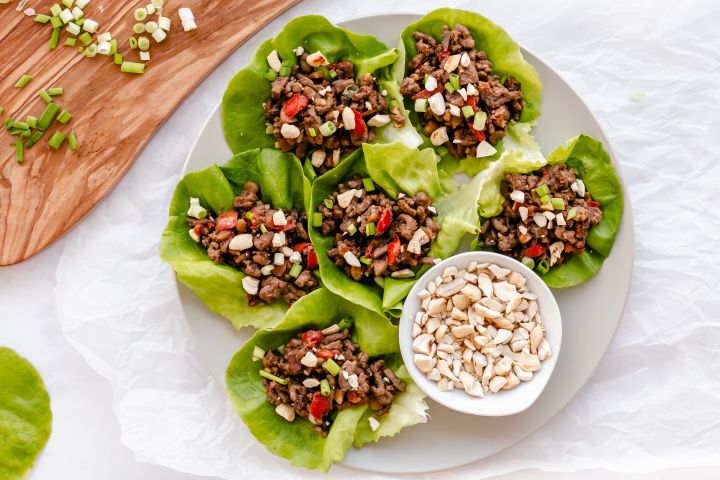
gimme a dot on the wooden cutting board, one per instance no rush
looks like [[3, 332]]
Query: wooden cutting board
[[114, 114]]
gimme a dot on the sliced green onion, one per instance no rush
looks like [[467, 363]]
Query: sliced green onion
[[24, 80], [468, 111], [271, 75], [132, 67], [56, 22], [48, 116], [325, 389], [20, 125], [317, 219], [141, 14], [542, 267], [345, 323], [421, 105], [257, 353], [267, 270], [45, 96], [143, 43], [332, 367], [91, 50], [16, 131], [571, 213], [30, 120], [328, 203], [8, 123], [118, 59], [263, 228], [80, 22], [295, 270], [19, 151], [528, 262], [327, 129], [139, 28], [34, 138], [273, 378], [55, 10], [479, 121], [26, 133], [64, 117], [68, 3], [542, 190], [285, 71], [455, 81], [55, 91], [544, 199], [56, 140], [55, 38], [249, 215], [72, 140], [366, 260], [85, 38], [368, 184], [113, 46], [42, 18], [370, 229], [133, 43], [70, 42], [268, 128], [312, 132], [352, 229], [332, 73], [151, 27], [449, 87], [558, 203], [73, 29]]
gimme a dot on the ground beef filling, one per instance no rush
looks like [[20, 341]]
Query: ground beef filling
[[361, 380], [272, 251], [527, 228], [311, 97], [375, 235], [454, 62]]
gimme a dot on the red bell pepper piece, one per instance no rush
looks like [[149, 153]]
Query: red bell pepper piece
[[384, 222], [312, 337], [535, 251], [359, 124], [295, 105], [319, 405], [227, 220], [442, 55], [478, 134], [424, 93], [393, 251], [312, 260], [593, 203], [472, 101], [324, 354]]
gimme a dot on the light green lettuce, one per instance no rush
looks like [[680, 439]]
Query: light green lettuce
[[297, 441], [242, 106], [506, 57], [25, 415], [593, 165], [282, 184]]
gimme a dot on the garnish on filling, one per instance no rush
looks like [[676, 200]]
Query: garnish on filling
[[461, 103], [319, 109], [270, 246], [375, 235], [546, 217], [320, 372]]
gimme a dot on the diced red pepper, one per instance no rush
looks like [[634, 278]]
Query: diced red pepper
[[593, 203], [295, 105], [535, 251], [368, 251], [384, 222], [478, 134], [424, 93], [569, 248], [227, 220], [359, 124], [324, 354], [198, 229], [472, 101], [312, 261], [319, 405], [442, 55], [393, 251], [312, 337], [299, 247], [281, 228]]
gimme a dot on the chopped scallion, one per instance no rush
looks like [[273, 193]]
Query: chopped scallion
[[20, 125], [132, 67], [544, 200], [370, 229], [113, 46], [325, 389], [70, 42], [64, 117], [479, 121], [56, 140], [528, 262], [344, 323], [332, 367], [45, 96], [55, 91], [449, 87], [312, 132], [455, 81], [143, 43], [542, 267], [68, 3], [273, 378], [31, 121], [257, 353], [133, 43], [139, 28], [285, 71], [366, 260], [8, 123], [421, 105], [48, 116], [571, 213], [55, 38], [468, 111], [26, 133], [72, 140], [34, 138], [317, 219], [91, 50], [24, 80], [118, 59], [352, 229], [295, 270], [42, 18], [558, 203], [85, 38], [542, 190], [56, 22], [267, 270], [327, 129], [328, 203], [19, 151], [263, 228], [141, 14], [368, 184], [56, 9]]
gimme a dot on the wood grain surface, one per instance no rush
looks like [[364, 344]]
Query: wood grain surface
[[114, 114]]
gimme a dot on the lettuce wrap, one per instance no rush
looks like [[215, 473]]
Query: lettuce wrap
[[281, 183], [297, 441], [593, 165], [507, 60], [242, 105]]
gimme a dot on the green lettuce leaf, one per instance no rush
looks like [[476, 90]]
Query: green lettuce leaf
[[242, 106], [506, 57], [25, 415], [297, 441], [282, 184], [593, 165]]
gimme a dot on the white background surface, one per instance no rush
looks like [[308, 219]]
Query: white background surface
[[661, 372]]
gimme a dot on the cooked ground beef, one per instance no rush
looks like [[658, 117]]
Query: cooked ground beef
[[361, 380], [252, 220], [453, 61], [312, 96], [403, 231], [547, 233]]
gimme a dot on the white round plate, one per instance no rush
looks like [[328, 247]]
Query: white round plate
[[591, 312]]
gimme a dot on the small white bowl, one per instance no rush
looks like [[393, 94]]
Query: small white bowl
[[505, 402]]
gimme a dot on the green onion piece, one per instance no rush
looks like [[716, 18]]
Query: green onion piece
[[268, 128], [542, 190], [118, 59], [257, 353], [249, 215], [328, 203], [528, 262], [19, 151], [468, 111], [368, 184], [366, 260], [34, 138], [42, 18], [81, 49], [56, 140], [345, 323], [68, 3], [333, 73], [20, 125], [139, 28], [352, 229], [26, 133], [56, 22], [8, 123], [48, 116], [143, 43], [317, 219], [542, 267], [558, 203], [271, 75], [312, 132], [80, 22], [263, 228], [449, 87], [24, 80], [30, 120], [64, 117], [327, 129], [56, 9], [70, 42], [544, 199], [55, 38], [285, 71], [370, 229], [325, 389], [267, 269], [332, 367], [571, 213], [85, 38], [421, 105], [16, 131], [295, 270], [113, 46], [455, 81], [55, 91], [72, 140], [45, 96], [91, 50], [140, 14], [132, 67], [133, 43], [272, 377]]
